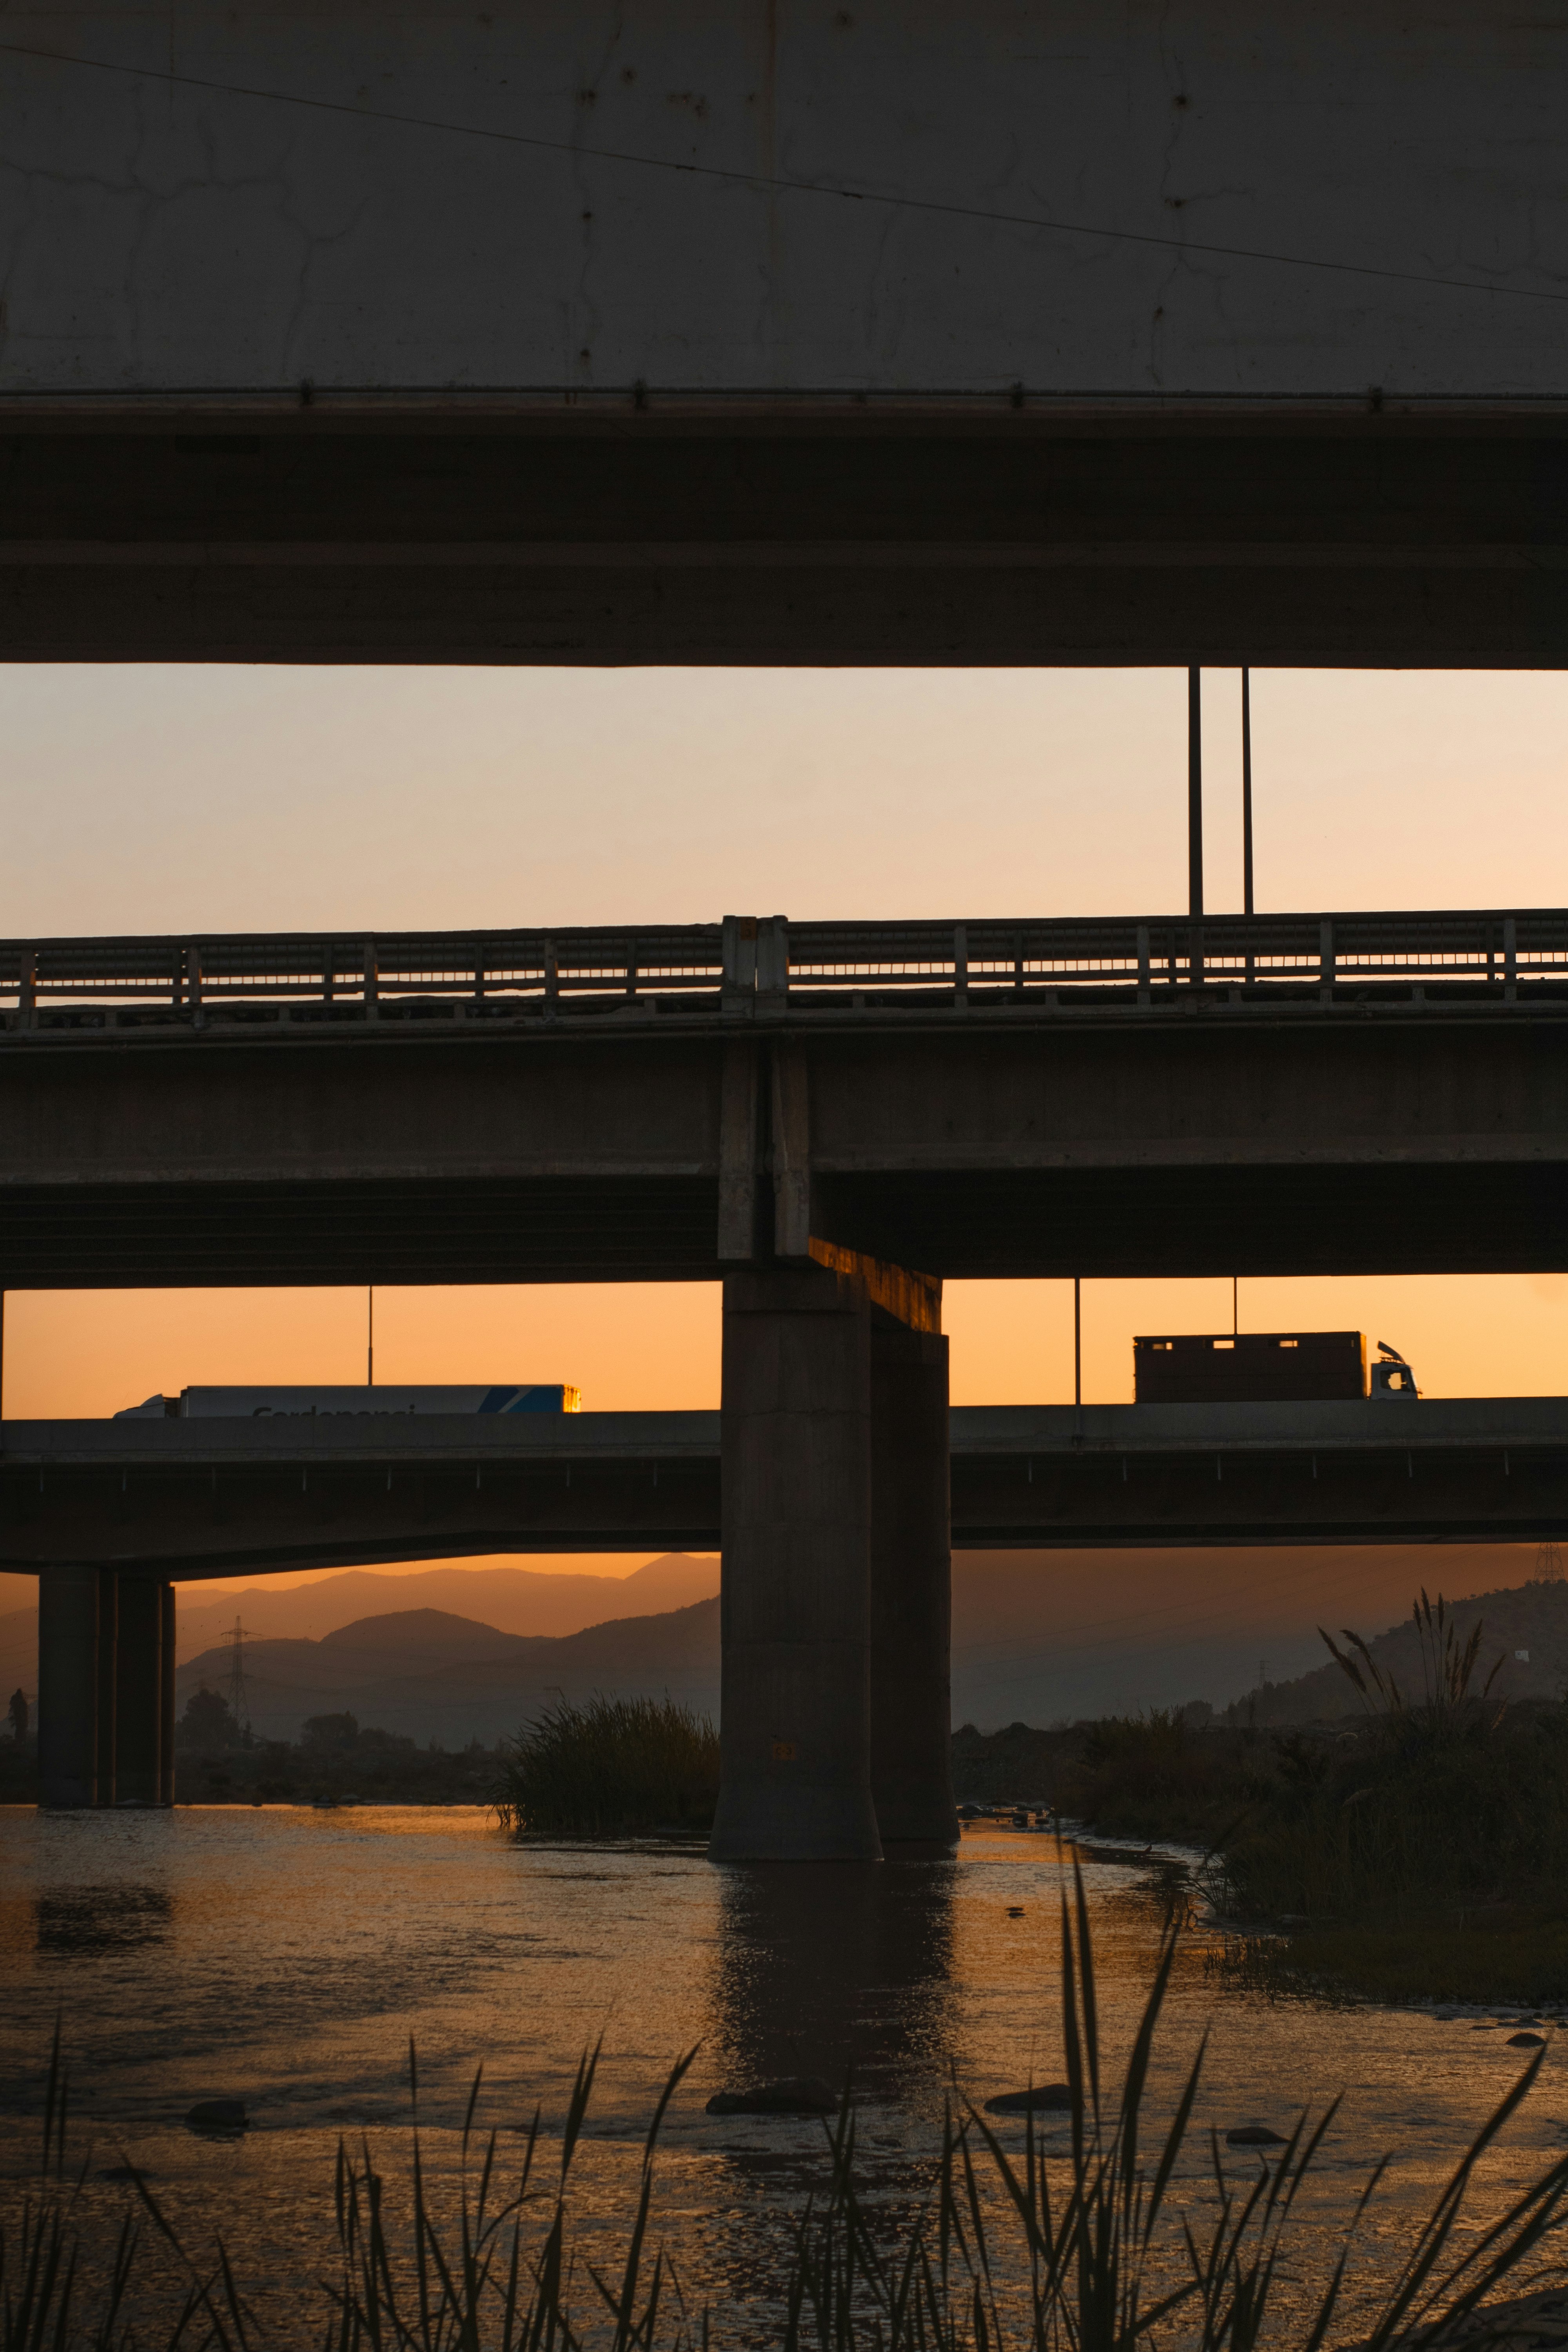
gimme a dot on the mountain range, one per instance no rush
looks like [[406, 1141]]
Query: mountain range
[[1037, 1637], [1522, 1654], [434, 1676]]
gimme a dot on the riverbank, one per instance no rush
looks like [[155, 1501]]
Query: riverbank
[[1419, 1853]]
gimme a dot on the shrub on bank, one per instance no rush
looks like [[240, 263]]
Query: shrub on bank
[[610, 1767]]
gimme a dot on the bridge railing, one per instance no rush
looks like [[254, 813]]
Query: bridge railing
[[352, 971], [745, 965], [1320, 950]]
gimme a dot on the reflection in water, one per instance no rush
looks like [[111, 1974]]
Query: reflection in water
[[823, 1968], [78, 1920], [289, 1957]]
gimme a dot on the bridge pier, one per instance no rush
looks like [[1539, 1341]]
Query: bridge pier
[[77, 1610], [166, 1694], [831, 1376], [911, 1593], [106, 1689], [139, 1692]]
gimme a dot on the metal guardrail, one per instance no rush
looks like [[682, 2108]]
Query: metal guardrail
[[745, 964]]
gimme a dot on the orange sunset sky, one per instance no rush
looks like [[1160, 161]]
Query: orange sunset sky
[[203, 798]]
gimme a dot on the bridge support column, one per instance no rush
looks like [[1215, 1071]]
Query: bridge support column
[[812, 1353], [76, 1618], [911, 1593], [166, 1694], [139, 1692], [795, 1611]]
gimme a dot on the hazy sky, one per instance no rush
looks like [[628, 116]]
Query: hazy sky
[[147, 799]]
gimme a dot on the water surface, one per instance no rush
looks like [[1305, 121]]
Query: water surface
[[287, 1957]]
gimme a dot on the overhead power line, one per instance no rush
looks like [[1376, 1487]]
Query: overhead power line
[[832, 189]]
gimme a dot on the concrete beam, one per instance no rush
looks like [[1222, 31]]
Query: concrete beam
[[1366, 539], [1206, 1132]]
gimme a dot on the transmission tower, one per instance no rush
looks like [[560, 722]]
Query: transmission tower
[[238, 1700], [1548, 1564]]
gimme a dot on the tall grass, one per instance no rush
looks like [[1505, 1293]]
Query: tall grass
[[1012, 2249], [613, 1766], [1440, 1808], [1443, 1803]]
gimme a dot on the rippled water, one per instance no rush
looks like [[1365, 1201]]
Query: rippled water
[[287, 1957]]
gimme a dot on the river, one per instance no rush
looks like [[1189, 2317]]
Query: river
[[288, 1957]]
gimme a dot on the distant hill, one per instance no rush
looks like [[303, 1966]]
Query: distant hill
[[1038, 1637], [432, 1675], [1531, 1617], [1046, 1637], [515, 1599]]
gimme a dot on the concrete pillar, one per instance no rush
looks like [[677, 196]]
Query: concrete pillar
[[68, 1686], [108, 1681], [166, 1695], [795, 1611], [138, 1696], [911, 1588]]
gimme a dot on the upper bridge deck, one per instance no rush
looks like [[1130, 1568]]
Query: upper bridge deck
[[1142, 1097]]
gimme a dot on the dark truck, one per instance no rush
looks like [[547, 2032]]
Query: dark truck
[[1264, 1368]]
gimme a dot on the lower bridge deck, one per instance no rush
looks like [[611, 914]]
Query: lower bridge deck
[[186, 1500]]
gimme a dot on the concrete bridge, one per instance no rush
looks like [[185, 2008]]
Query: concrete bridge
[[108, 1513], [832, 1117], [1253, 1095], [784, 333]]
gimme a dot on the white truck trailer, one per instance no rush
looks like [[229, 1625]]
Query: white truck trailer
[[263, 1404]]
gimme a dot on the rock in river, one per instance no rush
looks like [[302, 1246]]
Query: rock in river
[[1254, 2135], [217, 2115], [1055, 2095], [1526, 2040], [804, 2095]]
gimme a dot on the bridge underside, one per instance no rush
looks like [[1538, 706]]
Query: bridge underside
[[187, 1500], [1202, 1131], [1498, 1217], [740, 530]]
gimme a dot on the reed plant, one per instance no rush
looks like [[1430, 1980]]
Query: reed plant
[[1097, 2245], [610, 1767], [1443, 1803]]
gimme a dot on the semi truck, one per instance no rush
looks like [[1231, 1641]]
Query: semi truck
[[265, 1404], [1265, 1366]]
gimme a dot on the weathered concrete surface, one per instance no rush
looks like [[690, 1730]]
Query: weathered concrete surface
[[192, 1499], [783, 333], [562, 196], [1193, 1136]]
